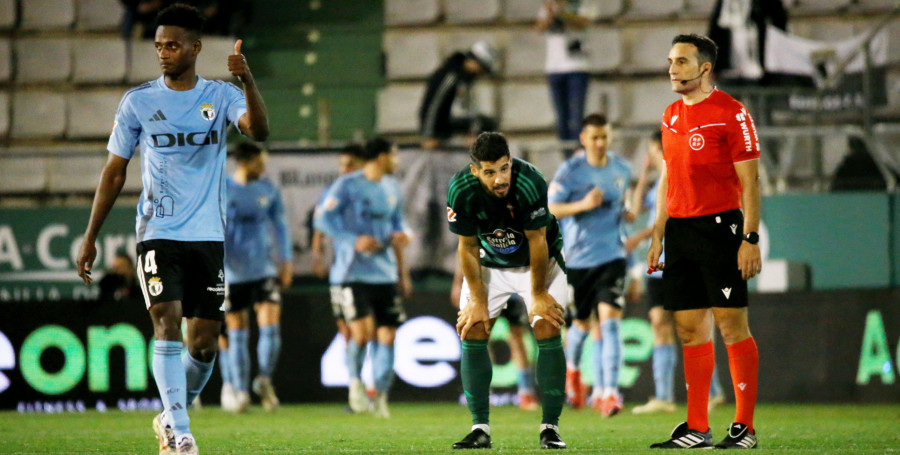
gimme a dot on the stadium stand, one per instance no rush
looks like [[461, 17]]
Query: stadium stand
[[88, 113], [47, 14], [32, 55], [472, 11], [87, 52], [412, 12], [101, 15], [52, 89], [5, 60], [38, 114]]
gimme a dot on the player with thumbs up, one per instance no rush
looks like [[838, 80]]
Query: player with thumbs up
[[179, 121]]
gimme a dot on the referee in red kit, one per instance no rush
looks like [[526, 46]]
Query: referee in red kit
[[711, 170]]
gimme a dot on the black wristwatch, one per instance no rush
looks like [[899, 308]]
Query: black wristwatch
[[751, 238]]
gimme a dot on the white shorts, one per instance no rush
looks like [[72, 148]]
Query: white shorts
[[503, 283]]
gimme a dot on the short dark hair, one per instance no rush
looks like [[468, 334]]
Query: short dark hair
[[707, 51], [184, 16], [374, 147], [490, 147], [246, 151], [595, 119], [353, 149]]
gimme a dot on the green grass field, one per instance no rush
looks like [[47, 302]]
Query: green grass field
[[432, 428]]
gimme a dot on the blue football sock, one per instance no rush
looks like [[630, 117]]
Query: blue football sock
[[526, 380], [612, 352], [574, 346], [224, 365], [196, 374], [268, 348], [240, 358], [715, 385], [664, 371], [597, 365], [168, 371], [383, 367], [356, 355]]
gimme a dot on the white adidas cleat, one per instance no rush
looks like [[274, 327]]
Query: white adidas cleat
[[262, 386], [241, 401], [226, 398], [655, 406], [380, 406], [164, 434], [359, 400], [187, 445]]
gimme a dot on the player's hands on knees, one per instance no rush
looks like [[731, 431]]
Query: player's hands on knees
[[545, 306], [237, 64], [749, 260], [653, 256], [85, 260], [469, 316], [367, 244]]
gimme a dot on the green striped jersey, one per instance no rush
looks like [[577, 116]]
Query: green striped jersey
[[500, 224]]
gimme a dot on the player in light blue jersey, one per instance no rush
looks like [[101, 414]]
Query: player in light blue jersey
[[363, 214], [588, 195], [348, 161], [179, 123], [255, 272]]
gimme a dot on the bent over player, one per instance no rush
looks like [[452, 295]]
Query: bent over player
[[509, 243], [179, 121]]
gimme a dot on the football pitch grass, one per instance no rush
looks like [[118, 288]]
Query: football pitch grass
[[416, 428]]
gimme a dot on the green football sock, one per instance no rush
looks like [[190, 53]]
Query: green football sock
[[551, 377], [476, 379]]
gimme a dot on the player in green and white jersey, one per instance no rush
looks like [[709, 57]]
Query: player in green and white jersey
[[509, 243]]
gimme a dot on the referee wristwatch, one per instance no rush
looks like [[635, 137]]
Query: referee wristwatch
[[751, 238]]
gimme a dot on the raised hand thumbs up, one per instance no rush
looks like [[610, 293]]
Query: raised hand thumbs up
[[237, 64]]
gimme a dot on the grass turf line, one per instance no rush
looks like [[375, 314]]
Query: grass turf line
[[416, 428]]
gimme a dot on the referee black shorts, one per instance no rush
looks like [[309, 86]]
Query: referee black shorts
[[701, 268]]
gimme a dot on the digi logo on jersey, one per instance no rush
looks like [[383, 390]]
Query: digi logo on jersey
[[504, 241], [198, 138]]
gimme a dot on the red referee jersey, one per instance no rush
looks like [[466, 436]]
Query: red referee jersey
[[701, 143]]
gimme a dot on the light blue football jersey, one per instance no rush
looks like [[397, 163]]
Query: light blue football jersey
[[182, 139], [650, 203], [592, 238], [355, 206], [255, 217], [333, 271]]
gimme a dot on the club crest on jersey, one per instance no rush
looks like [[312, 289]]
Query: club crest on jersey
[[207, 112], [503, 241], [155, 286], [696, 142]]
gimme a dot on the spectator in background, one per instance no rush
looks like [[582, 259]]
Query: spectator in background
[[563, 22], [256, 268], [452, 83], [738, 27], [120, 281]]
